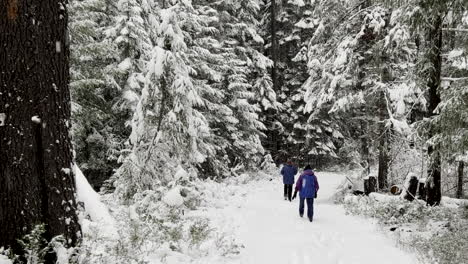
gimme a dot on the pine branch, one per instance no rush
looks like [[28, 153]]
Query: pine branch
[[456, 29]]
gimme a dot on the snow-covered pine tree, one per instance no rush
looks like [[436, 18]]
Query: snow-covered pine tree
[[450, 121], [294, 23], [355, 64], [246, 80], [167, 129], [429, 19], [98, 121], [453, 108]]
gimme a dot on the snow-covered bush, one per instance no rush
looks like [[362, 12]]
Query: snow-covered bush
[[167, 224], [438, 234], [352, 181]]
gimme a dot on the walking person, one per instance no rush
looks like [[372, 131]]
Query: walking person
[[288, 171], [307, 186]]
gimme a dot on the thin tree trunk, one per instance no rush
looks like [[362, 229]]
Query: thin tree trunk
[[272, 134], [461, 166], [37, 184], [365, 147], [383, 159], [434, 169], [274, 48]]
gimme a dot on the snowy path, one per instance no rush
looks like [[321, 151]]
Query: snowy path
[[272, 232]]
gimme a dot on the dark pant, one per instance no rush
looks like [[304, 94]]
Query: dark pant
[[310, 207], [288, 191]]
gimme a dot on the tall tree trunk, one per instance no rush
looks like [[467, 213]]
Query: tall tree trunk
[[273, 143], [434, 169], [383, 155], [461, 166], [384, 140], [37, 184], [274, 45]]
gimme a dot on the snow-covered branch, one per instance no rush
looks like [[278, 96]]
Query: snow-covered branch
[[456, 29], [451, 79]]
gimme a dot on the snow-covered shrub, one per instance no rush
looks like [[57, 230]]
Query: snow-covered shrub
[[6, 256], [352, 181], [37, 248], [268, 165], [445, 248], [438, 234], [164, 225], [199, 231], [227, 245], [405, 159]]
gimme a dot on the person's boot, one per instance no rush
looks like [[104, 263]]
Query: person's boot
[[310, 219]]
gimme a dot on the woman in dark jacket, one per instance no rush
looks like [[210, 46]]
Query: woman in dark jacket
[[288, 171]]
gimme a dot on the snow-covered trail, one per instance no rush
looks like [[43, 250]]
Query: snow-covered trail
[[272, 231]]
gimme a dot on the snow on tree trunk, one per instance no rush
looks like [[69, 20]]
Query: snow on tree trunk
[[36, 180]]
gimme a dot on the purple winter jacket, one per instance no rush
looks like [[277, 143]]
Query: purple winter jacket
[[299, 180]]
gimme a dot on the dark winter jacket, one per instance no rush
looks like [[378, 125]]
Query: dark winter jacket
[[288, 172], [307, 184]]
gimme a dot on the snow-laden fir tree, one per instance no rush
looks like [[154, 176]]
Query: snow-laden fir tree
[[98, 121], [167, 130]]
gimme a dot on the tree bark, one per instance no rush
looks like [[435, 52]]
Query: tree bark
[[365, 156], [274, 45], [411, 191], [434, 169], [384, 144], [422, 192], [370, 185], [37, 184], [461, 166]]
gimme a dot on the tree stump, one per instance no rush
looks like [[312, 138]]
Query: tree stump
[[422, 190], [370, 184], [411, 187]]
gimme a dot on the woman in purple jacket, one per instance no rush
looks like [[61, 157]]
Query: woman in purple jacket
[[307, 186]]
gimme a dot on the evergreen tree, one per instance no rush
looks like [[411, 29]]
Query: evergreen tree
[[98, 120]]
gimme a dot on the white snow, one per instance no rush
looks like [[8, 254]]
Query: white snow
[[299, 3], [36, 119], [2, 119], [180, 174], [453, 203], [455, 53], [97, 211], [173, 198], [125, 65], [382, 197], [5, 260], [58, 46], [271, 230]]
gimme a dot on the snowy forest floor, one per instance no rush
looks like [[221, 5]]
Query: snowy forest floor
[[271, 230]]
